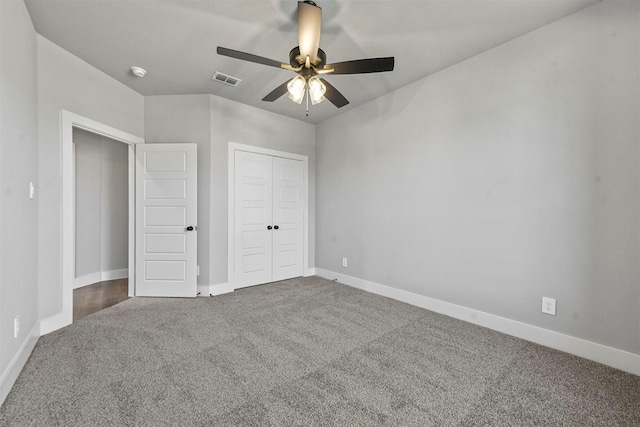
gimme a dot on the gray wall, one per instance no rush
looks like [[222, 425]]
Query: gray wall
[[212, 122], [102, 204], [66, 82], [507, 177], [18, 167]]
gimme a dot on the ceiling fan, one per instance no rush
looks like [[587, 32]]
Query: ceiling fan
[[309, 62]]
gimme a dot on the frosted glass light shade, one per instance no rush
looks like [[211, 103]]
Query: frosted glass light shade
[[316, 90], [296, 88]]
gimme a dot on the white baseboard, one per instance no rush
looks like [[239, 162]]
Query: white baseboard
[[115, 274], [55, 322], [86, 280], [92, 278], [214, 289], [310, 272], [10, 375], [619, 359]]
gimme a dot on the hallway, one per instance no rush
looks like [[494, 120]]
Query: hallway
[[90, 299]]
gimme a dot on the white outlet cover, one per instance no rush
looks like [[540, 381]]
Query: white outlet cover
[[549, 306]]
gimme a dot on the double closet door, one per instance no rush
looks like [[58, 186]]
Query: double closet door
[[268, 218]]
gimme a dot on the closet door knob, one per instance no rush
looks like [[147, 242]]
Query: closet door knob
[[269, 227], [275, 227], [190, 228]]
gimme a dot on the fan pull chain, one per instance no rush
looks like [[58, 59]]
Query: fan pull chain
[[307, 93]]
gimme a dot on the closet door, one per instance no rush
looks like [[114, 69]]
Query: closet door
[[253, 216], [268, 218], [287, 218]]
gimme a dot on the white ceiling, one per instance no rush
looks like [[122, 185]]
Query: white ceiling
[[176, 40]]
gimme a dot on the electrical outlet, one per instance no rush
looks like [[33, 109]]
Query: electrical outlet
[[32, 190], [16, 326], [344, 262], [549, 306]]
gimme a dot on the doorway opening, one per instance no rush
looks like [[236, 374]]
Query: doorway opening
[[69, 121], [101, 222]]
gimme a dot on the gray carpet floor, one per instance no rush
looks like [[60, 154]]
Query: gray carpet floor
[[305, 352]]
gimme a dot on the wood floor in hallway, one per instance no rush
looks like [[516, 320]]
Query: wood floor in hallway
[[96, 297]]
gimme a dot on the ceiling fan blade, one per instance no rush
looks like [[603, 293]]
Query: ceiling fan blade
[[361, 66], [277, 92], [250, 57], [309, 24], [333, 95]]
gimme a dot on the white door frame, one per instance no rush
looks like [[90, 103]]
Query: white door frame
[[233, 147], [67, 222]]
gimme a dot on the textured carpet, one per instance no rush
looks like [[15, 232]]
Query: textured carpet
[[305, 352]]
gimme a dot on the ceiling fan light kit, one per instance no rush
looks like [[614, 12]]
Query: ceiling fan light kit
[[296, 88], [309, 61], [317, 89]]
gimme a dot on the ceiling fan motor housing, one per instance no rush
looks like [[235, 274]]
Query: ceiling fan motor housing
[[296, 60]]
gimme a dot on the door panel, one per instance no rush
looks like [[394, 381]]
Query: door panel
[[165, 243], [165, 161], [165, 188], [288, 216], [165, 270], [165, 216], [166, 203], [253, 207]]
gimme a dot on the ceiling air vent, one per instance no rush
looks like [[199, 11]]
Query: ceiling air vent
[[226, 79]]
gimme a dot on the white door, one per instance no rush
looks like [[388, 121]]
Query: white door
[[287, 218], [166, 220], [268, 218], [253, 219]]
